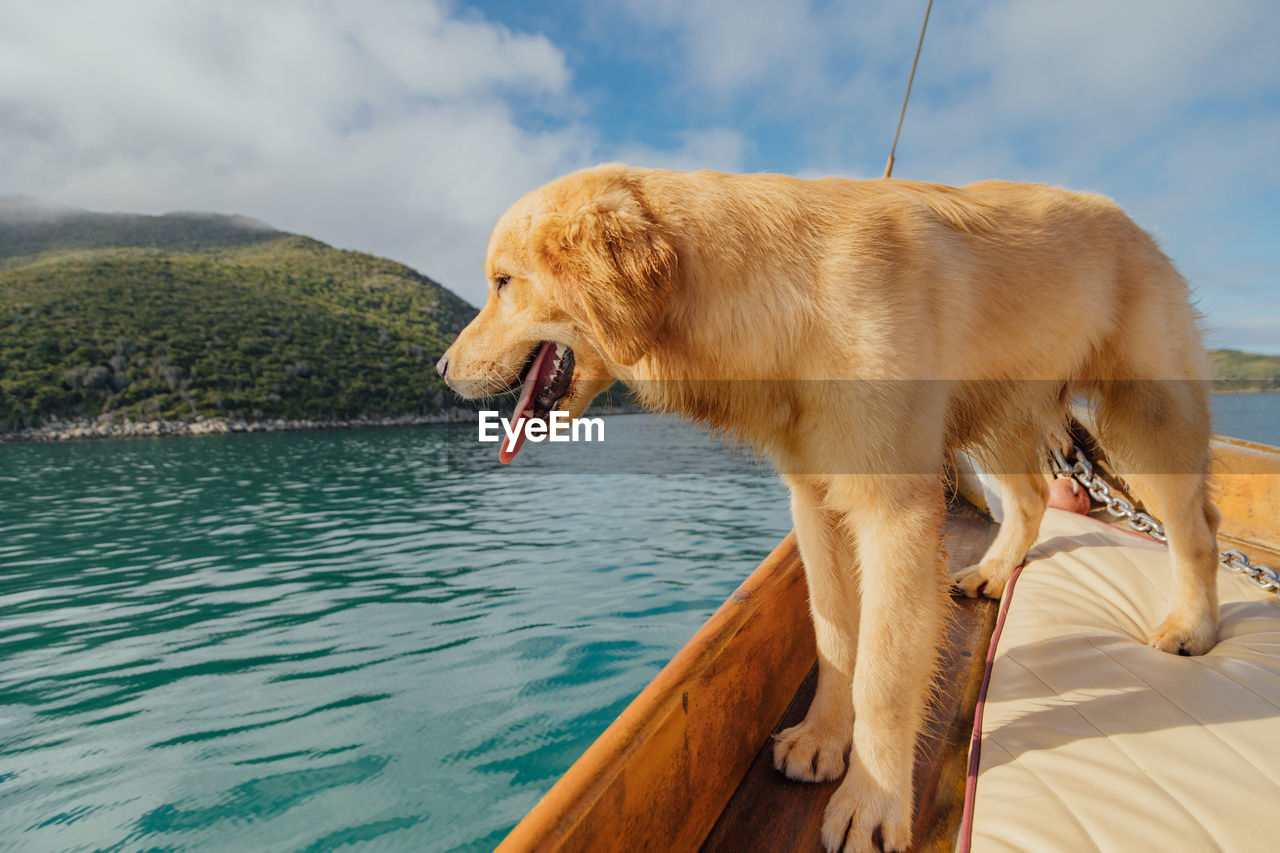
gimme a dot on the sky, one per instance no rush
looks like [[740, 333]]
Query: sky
[[405, 127]]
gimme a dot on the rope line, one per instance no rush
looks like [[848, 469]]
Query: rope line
[[888, 167]]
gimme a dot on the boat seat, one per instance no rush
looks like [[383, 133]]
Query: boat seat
[[1091, 740]]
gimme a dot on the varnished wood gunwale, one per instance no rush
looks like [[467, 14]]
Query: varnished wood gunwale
[[659, 776], [1245, 479]]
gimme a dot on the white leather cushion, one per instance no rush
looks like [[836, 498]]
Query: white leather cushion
[[1094, 741]]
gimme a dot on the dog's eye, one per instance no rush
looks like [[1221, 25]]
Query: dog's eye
[[500, 281]]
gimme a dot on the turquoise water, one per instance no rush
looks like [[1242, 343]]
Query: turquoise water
[[377, 640], [302, 641]]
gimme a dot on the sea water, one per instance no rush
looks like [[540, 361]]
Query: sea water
[[301, 641]]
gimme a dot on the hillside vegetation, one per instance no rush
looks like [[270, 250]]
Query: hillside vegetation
[[191, 315], [1245, 371]]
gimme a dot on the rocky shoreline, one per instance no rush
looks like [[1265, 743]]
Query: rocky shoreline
[[60, 430], [67, 430]]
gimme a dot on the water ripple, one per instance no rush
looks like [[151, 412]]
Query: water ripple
[[310, 640]]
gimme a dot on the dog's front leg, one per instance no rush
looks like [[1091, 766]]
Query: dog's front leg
[[896, 520], [814, 750]]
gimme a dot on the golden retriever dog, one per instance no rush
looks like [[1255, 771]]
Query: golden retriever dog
[[857, 333]]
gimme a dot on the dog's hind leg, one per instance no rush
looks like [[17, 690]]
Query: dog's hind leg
[[1156, 433], [1024, 495], [814, 750]]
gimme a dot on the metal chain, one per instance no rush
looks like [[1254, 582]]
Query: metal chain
[[1081, 471]]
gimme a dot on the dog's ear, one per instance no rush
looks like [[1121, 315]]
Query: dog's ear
[[615, 270]]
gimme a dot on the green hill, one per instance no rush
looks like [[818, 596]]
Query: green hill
[[1245, 371], [184, 315]]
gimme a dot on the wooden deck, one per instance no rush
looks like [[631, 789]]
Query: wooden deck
[[770, 812]]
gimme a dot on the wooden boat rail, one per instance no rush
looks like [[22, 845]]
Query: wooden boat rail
[[659, 776]]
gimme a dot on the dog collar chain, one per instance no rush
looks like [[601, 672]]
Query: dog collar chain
[[1081, 471]]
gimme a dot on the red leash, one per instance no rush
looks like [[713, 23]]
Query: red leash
[[975, 740]]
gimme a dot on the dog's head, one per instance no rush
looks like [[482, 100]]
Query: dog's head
[[580, 277]]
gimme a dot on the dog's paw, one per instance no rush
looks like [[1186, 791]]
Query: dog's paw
[[812, 752], [982, 579], [1184, 636], [861, 816]]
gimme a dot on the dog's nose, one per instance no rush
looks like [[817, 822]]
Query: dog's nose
[[442, 366]]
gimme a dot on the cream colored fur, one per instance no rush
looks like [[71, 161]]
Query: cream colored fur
[[857, 332]]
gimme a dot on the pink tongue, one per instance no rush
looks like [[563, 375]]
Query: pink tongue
[[505, 455]]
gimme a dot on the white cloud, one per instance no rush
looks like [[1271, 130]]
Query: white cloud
[[1075, 60], [774, 54], [384, 126], [730, 46]]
